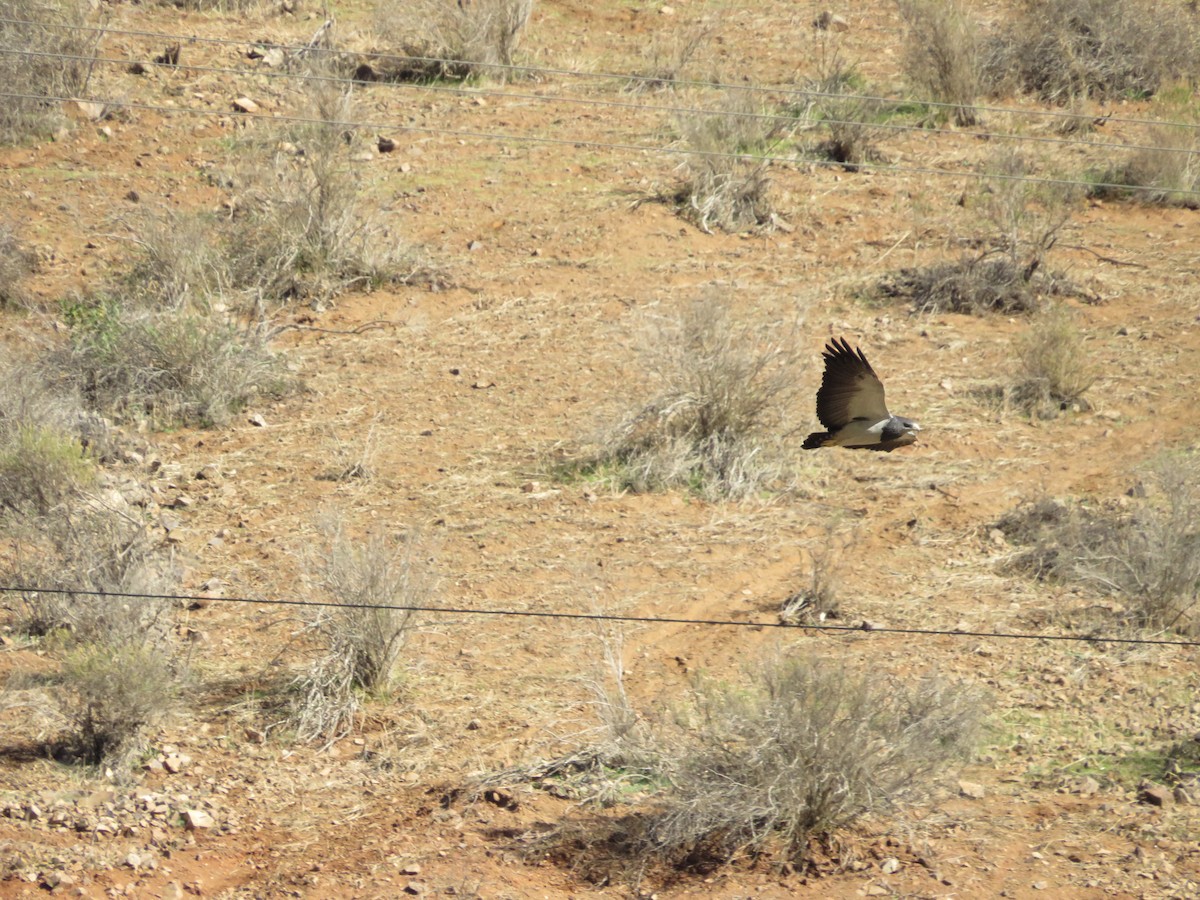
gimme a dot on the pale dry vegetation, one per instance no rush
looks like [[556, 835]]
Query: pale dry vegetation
[[50, 58], [725, 182], [1019, 218], [1145, 553], [1165, 169], [371, 587], [942, 57], [1054, 370], [803, 750], [1061, 50], [721, 389], [448, 39]]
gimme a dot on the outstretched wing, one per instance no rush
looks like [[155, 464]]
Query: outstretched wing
[[850, 389]]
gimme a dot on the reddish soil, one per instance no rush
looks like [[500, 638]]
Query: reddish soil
[[473, 390]]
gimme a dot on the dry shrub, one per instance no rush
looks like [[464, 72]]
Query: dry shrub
[[669, 52], [302, 230], [112, 693], [803, 750], [16, 263], [941, 54], [179, 261], [40, 69], [47, 442], [1167, 169], [451, 39], [1104, 49], [1020, 218], [120, 673], [361, 643], [817, 601], [721, 392], [725, 183], [169, 366], [1146, 552], [1054, 370]]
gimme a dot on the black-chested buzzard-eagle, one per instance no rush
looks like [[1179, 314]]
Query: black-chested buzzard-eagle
[[850, 404]]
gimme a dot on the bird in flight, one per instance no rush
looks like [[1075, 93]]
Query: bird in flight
[[850, 404]]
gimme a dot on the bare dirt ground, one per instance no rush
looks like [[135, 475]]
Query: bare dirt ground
[[472, 391]]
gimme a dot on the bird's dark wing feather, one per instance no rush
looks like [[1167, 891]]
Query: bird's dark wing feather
[[850, 389]]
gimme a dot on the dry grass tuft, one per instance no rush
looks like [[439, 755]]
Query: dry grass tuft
[[941, 54], [16, 263], [47, 73], [302, 229], [1166, 170], [1020, 222], [725, 183], [803, 750], [449, 39], [169, 366], [1062, 50], [1147, 553], [361, 644], [722, 389], [668, 54], [841, 109], [1055, 371]]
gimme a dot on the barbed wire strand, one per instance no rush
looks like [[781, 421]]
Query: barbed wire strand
[[864, 627], [575, 73], [781, 118], [885, 168]]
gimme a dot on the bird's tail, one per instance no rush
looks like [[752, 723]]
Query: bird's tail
[[815, 440]]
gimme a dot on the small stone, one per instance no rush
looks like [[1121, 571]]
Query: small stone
[[890, 866], [245, 105], [133, 860], [173, 891], [197, 819], [529, 487], [386, 145], [258, 421], [475, 245], [972, 790], [1155, 795], [1088, 786], [176, 763], [84, 109], [133, 197], [183, 501], [411, 869], [273, 58], [828, 21], [58, 878], [474, 725], [414, 887]]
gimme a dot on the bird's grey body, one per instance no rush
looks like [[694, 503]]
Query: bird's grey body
[[850, 404]]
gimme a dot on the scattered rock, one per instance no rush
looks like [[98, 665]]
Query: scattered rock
[[257, 421], [89, 110], [414, 887], [890, 866], [386, 145], [273, 58], [972, 790], [411, 869], [1155, 795], [245, 105], [197, 820]]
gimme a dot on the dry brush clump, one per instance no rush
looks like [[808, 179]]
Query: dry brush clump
[[302, 229], [1054, 370], [800, 750], [453, 39], [807, 748], [725, 183], [16, 264], [941, 54], [669, 53], [1019, 219], [168, 366], [93, 578], [1166, 169], [1062, 50], [371, 589], [49, 54], [720, 392], [1146, 552]]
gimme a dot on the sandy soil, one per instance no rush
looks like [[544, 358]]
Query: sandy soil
[[471, 392]]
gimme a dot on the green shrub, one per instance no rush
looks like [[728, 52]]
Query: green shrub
[[39, 467]]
